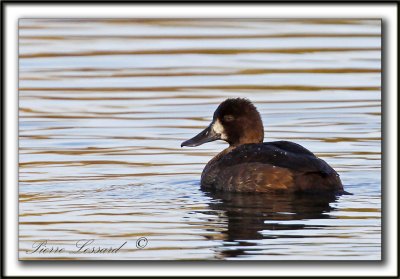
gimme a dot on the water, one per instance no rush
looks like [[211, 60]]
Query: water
[[105, 104]]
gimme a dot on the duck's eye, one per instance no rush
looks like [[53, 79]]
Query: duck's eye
[[229, 118]]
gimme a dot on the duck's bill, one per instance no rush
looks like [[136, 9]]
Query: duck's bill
[[205, 136]]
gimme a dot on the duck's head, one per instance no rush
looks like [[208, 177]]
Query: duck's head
[[235, 121]]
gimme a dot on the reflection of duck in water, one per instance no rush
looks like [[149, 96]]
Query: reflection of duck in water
[[249, 165], [262, 216]]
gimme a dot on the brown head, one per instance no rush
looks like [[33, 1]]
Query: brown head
[[235, 121]]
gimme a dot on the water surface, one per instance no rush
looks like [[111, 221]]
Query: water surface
[[105, 104]]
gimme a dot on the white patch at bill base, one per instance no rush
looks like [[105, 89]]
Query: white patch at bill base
[[219, 129]]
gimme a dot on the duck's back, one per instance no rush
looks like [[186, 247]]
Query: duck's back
[[279, 166]]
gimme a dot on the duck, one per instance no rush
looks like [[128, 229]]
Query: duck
[[249, 165]]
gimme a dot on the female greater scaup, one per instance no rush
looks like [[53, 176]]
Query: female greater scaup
[[249, 165]]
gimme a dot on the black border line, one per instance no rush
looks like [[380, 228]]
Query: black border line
[[104, 2]]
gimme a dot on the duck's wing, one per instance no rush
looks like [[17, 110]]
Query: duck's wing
[[290, 146], [283, 154]]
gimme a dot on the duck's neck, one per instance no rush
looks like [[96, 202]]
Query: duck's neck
[[246, 141]]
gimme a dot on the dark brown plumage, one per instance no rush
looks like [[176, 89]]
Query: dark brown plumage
[[248, 165]]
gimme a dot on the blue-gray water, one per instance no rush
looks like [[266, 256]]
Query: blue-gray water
[[105, 104]]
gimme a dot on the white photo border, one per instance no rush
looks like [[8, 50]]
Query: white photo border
[[12, 11]]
